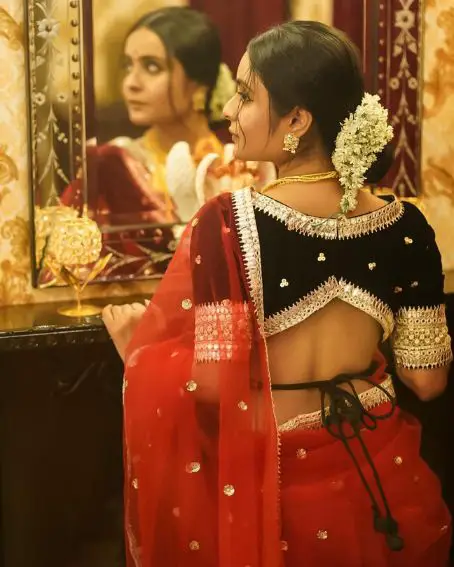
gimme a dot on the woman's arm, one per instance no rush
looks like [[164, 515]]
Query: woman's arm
[[421, 342], [427, 384], [121, 322]]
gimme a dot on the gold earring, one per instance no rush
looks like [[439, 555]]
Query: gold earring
[[291, 143], [199, 100]]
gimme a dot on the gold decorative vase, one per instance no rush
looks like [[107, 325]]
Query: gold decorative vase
[[73, 254], [46, 218]]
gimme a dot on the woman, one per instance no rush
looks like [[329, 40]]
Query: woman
[[175, 86], [261, 428]]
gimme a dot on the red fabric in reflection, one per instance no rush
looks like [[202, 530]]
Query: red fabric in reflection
[[118, 192], [126, 207], [205, 485]]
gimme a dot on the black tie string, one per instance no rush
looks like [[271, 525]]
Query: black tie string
[[344, 418]]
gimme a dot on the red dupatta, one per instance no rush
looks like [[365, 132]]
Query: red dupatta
[[201, 442]]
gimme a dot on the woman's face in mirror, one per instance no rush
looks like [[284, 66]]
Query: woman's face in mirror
[[156, 90]]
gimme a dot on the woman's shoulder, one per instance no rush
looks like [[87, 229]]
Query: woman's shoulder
[[224, 205], [126, 143], [115, 144], [219, 202], [414, 217], [407, 213], [410, 234], [120, 141]]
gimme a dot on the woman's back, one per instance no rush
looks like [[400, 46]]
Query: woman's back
[[261, 287], [333, 289], [336, 340], [339, 338]]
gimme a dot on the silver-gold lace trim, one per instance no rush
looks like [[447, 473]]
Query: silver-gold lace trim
[[331, 228], [421, 338], [331, 289], [369, 399]]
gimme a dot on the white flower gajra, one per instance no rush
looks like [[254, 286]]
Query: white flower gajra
[[364, 134]]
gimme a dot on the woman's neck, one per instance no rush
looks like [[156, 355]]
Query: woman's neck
[[191, 130], [319, 198], [311, 164]]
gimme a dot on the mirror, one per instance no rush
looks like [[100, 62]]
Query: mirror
[[93, 148], [88, 157]]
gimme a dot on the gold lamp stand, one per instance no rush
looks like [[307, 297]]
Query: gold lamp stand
[[73, 258]]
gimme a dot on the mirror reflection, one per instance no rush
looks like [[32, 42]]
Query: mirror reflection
[[143, 185], [146, 130]]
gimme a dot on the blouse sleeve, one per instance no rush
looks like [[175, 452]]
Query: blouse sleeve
[[420, 339], [222, 316]]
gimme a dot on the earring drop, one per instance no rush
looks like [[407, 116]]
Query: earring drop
[[199, 100], [291, 143]]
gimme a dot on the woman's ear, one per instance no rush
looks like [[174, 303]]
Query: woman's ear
[[300, 122]]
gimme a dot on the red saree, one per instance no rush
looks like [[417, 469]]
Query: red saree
[[210, 481]]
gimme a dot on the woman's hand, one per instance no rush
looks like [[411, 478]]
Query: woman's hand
[[121, 322]]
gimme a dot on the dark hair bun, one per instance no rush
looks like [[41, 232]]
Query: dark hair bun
[[381, 166], [313, 66]]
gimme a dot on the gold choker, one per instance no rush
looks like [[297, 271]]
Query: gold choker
[[307, 178]]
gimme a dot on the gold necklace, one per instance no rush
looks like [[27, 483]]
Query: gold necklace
[[307, 178]]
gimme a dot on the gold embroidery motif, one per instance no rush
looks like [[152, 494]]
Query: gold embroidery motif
[[331, 289], [250, 247], [369, 399], [219, 330], [191, 386], [332, 228], [193, 468], [421, 338], [301, 454], [229, 490]]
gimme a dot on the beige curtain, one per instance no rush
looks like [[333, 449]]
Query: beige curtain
[[319, 10]]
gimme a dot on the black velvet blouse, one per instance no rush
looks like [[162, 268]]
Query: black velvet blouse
[[385, 263]]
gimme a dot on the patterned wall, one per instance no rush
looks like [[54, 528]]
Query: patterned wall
[[437, 146], [319, 10], [14, 229], [398, 73], [15, 268], [438, 124], [416, 44]]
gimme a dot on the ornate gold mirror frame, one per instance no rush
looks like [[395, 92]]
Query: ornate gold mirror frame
[[57, 139]]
